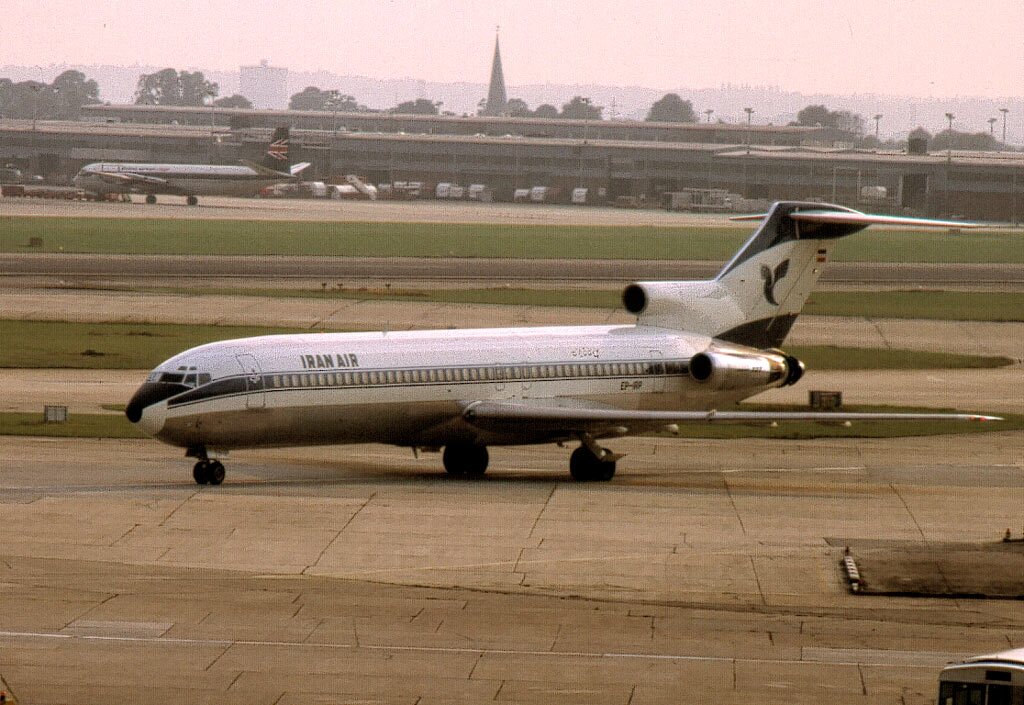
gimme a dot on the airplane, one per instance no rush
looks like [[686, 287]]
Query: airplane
[[696, 349], [192, 180]]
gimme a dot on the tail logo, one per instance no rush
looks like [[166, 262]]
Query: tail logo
[[278, 149], [772, 278]]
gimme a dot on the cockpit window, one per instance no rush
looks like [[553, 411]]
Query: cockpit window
[[187, 379]]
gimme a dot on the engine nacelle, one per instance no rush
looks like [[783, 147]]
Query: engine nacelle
[[702, 307], [737, 369]]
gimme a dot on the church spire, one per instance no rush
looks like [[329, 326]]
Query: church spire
[[497, 100]]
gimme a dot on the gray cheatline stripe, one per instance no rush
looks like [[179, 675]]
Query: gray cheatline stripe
[[437, 649]]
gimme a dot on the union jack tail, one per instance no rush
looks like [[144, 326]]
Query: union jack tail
[[277, 151]]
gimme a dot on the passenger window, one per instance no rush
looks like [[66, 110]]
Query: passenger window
[[474, 374], [347, 378]]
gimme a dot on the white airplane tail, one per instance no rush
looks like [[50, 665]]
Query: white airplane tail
[[757, 296]]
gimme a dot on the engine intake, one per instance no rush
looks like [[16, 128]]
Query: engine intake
[[736, 369]]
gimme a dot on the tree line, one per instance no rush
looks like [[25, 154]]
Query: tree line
[[64, 97], [61, 100]]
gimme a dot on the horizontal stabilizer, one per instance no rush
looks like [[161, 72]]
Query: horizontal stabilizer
[[297, 169], [854, 218], [846, 216]]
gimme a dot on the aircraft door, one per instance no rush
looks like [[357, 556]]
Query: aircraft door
[[255, 395], [526, 378], [656, 371]]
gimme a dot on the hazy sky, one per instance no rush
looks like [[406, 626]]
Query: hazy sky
[[909, 47]]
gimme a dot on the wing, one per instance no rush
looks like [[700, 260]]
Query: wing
[[571, 418], [130, 178]]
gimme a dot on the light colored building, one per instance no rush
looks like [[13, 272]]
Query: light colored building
[[265, 86]]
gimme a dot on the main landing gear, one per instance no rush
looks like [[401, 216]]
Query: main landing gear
[[208, 472], [150, 199], [588, 463], [586, 466], [465, 460]]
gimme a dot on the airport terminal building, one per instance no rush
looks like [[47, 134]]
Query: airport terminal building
[[616, 161]]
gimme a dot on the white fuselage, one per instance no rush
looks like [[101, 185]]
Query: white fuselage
[[409, 388], [173, 179]]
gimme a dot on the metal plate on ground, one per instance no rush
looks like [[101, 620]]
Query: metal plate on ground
[[937, 569]]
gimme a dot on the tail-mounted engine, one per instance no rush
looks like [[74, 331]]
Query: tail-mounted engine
[[739, 369]]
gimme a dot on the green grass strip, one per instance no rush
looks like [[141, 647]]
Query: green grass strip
[[995, 306], [109, 346], [61, 344], [828, 357], [345, 239], [927, 304], [13, 423], [117, 426]]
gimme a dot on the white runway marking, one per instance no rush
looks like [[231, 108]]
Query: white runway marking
[[906, 659], [856, 468]]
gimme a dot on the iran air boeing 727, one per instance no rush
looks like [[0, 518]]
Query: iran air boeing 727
[[192, 180], [697, 347]]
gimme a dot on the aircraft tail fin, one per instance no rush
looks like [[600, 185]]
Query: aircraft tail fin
[[277, 157], [759, 293]]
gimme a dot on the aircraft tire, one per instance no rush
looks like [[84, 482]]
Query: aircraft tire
[[215, 473], [584, 466], [150, 199], [201, 472], [465, 460], [192, 200]]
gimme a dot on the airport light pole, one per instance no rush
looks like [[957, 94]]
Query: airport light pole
[[949, 158], [1004, 111], [749, 112], [992, 128], [709, 112], [877, 119]]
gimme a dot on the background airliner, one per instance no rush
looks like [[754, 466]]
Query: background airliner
[[192, 180], [697, 347]]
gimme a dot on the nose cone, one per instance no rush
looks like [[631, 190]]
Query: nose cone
[[144, 408]]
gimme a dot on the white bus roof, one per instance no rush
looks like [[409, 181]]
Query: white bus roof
[[1013, 656]]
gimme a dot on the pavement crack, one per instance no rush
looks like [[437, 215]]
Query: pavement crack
[[122, 536], [234, 680], [735, 509], [338, 534], [475, 664], [909, 511], [218, 656], [175, 510], [757, 579], [541, 513]]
